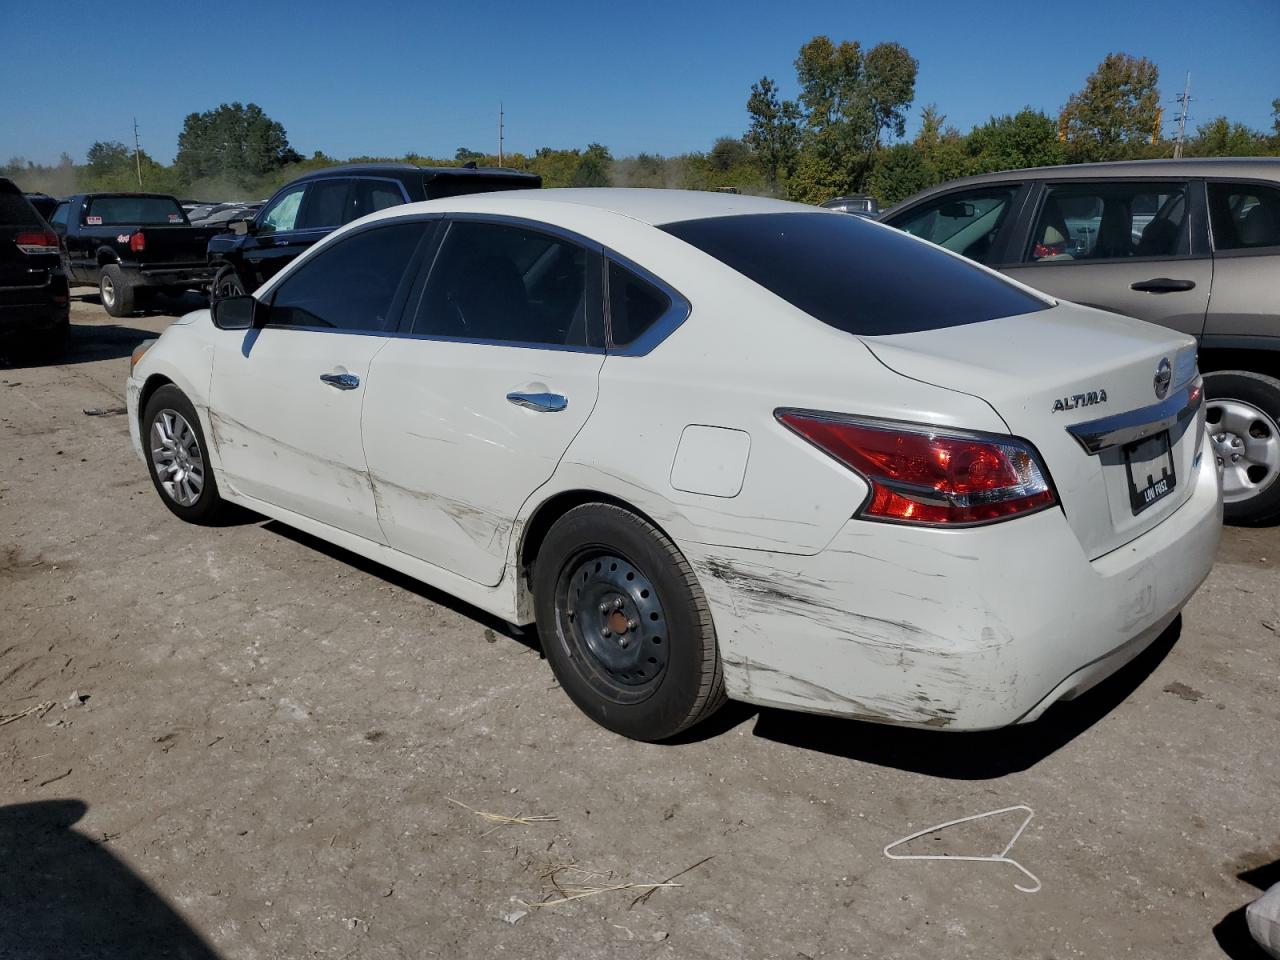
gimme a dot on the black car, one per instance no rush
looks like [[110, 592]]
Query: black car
[[303, 212], [34, 302], [43, 203]]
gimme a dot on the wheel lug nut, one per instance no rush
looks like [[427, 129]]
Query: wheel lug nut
[[617, 604], [605, 632], [604, 608], [623, 642], [632, 624], [1235, 458]]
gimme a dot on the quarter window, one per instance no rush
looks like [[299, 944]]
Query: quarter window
[[965, 223], [1111, 221], [511, 284], [1244, 216], [634, 305], [350, 285], [283, 213], [61, 215]]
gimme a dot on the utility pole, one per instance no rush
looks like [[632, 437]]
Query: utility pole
[[1185, 100], [499, 133], [137, 151]]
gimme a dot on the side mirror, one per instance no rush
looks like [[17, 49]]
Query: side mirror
[[239, 313], [243, 227]]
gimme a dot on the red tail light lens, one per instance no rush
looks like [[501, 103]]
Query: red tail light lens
[[138, 242], [921, 476], [37, 241]]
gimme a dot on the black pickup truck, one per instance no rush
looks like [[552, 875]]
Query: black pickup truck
[[131, 246]]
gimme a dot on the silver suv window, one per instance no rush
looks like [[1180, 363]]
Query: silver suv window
[[1110, 221]]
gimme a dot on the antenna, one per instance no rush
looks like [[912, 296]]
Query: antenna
[[137, 151], [499, 133], [1185, 100]]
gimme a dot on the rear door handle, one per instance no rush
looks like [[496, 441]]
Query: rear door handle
[[542, 402], [343, 381], [1162, 285]]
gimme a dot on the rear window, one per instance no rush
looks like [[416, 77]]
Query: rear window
[[134, 211], [854, 275], [16, 212]]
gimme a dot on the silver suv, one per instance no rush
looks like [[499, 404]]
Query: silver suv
[[1189, 244]]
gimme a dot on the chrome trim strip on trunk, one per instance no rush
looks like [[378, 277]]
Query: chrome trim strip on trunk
[[1121, 428]]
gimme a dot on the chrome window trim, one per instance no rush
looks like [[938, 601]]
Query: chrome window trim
[[660, 329], [1095, 436]]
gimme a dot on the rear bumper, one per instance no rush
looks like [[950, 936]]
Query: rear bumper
[[966, 629], [192, 274], [46, 314]]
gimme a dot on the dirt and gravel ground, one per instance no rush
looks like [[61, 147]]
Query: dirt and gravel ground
[[261, 746]]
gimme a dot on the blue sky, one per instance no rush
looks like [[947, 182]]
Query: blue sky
[[384, 78]]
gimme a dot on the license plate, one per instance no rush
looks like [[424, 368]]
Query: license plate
[[1149, 464]]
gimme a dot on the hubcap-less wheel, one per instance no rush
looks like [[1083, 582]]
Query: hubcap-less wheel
[[175, 453], [612, 622], [1246, 442]]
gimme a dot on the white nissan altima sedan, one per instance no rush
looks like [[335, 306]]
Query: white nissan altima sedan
[[715, 446]]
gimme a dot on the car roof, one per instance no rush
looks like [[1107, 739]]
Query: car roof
[[405, 169], [1263, 167], [651, 206]]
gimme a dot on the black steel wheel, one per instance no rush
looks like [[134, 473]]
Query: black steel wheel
[[625, 625]]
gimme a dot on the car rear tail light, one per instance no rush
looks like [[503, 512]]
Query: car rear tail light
[[920, 475], [37, 241], [138, 242]]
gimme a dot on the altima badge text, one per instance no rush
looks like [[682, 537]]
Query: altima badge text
[[1080, 400]]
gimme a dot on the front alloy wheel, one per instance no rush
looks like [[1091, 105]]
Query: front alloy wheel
[[176, 456]]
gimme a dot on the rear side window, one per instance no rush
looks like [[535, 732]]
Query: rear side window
[[352, 284], [134, 211], [1111, 221], [374, 195], [502, 283], [634, 305], [853, 274], [325, 204], [1244, 216]]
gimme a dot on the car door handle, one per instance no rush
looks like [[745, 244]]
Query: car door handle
[[542, 402], [343, 381], [1162, 285]]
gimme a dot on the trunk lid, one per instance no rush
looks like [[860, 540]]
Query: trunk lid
[[177, 245], [1080, 385]]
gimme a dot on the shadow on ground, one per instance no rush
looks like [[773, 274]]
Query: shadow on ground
[[1232, 931], [63, 894], [967, 756]]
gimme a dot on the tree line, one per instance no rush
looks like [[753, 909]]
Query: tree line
[[844, 133]]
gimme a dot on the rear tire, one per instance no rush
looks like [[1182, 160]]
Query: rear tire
[[116, 291], [177, 458], [1243, 424], [625, 625]]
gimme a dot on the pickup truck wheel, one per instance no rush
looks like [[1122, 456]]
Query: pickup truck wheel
[[226, 283], [1242, 419], [177, 458], [116, 291], [625, 625]]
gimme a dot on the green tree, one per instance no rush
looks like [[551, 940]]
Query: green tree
[[464, 155], [1116, 112], [1222, 138], [942, 147], [900, 171], [849, 101], [774, 134], [1275, 116], [234, 142], [108, 156], [593, 168], [727, 153], [1027, 138]]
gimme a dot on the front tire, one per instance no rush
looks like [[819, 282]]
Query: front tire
[[117, 293], [1242, 418], [625, 625], [226, 283], [177, 458]]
